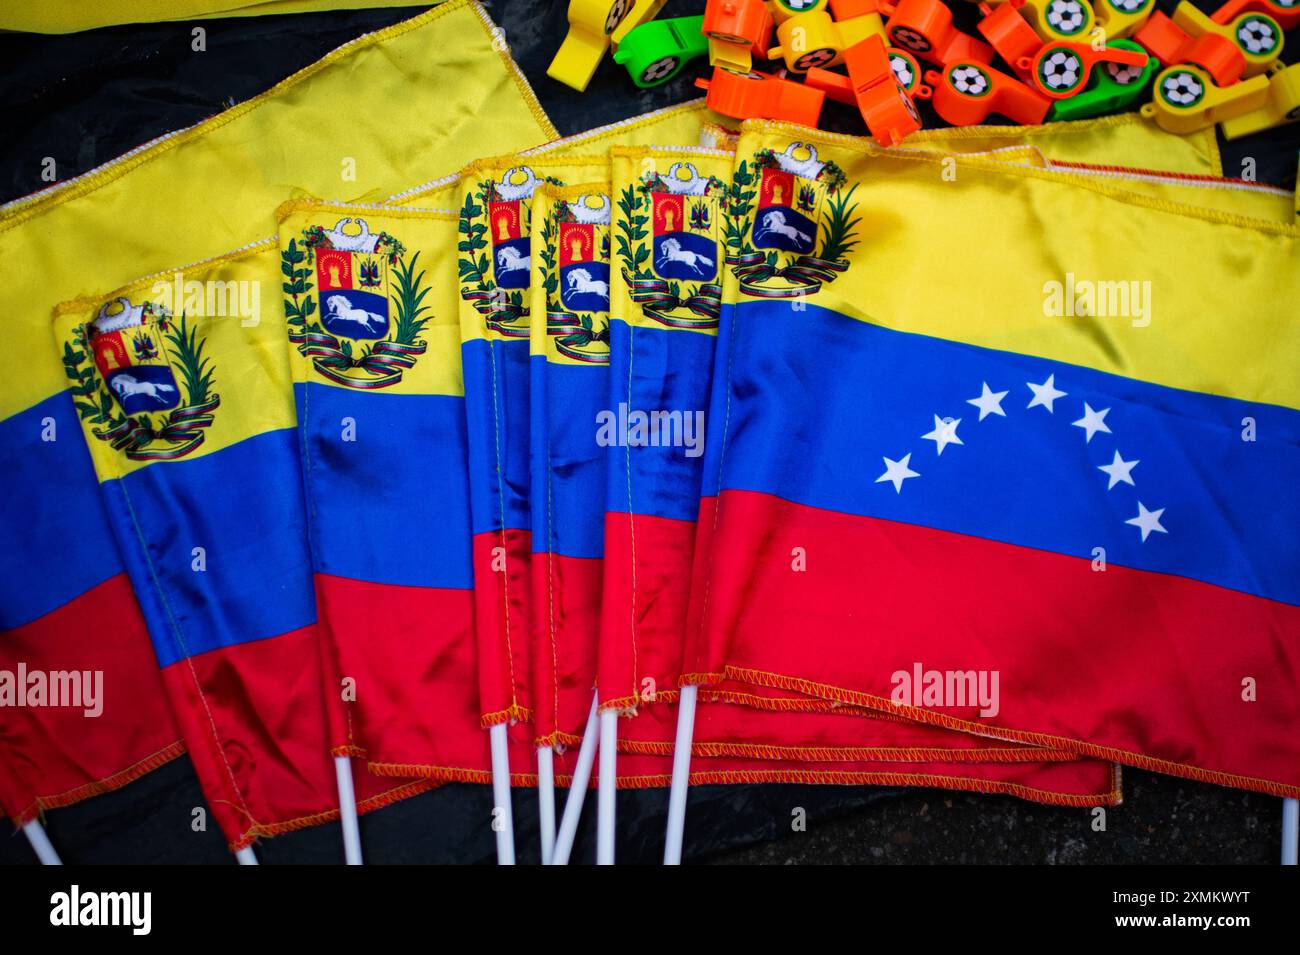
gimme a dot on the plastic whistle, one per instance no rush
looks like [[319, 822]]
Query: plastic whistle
[[1010, 35], [965, 93], [783, 10], [737, 31], [1171, 44], [924, 27], [593, 25], [1058, 19], [1123, 18], [1282, 106], [1257, 35], [1062, 69], [1186, 99], [653, 53], [874, 87], [1286, 14], [839, 87], [761, 96], [1111, 88]]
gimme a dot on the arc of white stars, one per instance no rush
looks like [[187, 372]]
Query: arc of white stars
[[1092, 421], [1045, 394], [1147, 521], [1119, 471], [896, 472], [989, 402], [944, 433]]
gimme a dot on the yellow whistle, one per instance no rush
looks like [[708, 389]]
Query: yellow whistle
[[1281, 107], [813, 39], [1257, 35], [593, 25], [1186, 99], [737, 57], [1059, 19], [783, 10], [1123, 18]]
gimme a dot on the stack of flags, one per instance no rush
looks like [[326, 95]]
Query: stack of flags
[[663, 454]]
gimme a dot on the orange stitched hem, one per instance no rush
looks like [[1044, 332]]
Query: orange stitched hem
[[1113, 797], [511, 714], [268, 829], [1138, 760], [100, 786], [788, 704], [557, 738], [355, 752]]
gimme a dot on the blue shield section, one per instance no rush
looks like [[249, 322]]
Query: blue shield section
[[584, 286], [351, 313], [780, 227], [144, 388], [510, 263], [684, 255]]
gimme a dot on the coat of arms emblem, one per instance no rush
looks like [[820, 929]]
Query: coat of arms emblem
[[575, 275], [497, 216], [369, 299], [794, 223], [129, 391], [675, 277]]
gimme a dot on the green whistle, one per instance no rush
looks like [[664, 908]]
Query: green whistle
[[1112, 87], [655, 52]]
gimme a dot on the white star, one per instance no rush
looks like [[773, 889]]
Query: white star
[[1045, 393], [1092, 421], [1119, 470], [896, 472], [944, 433], [989, 402], [1148, 521]]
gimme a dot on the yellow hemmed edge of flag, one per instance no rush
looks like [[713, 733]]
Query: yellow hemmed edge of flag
[[73, 16], [428, 260], [673, 125], [981, 256]]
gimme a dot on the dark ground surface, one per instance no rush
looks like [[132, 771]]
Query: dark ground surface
[[87, 98]]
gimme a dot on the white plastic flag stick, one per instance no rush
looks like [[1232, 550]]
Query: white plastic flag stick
[[546, 800], [577, 789], [503, 822], [246, 856], [35, 834], [681, 776], [348, 810], [606, 782], [1290, 825]]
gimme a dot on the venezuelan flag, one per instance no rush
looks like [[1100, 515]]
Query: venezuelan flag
[[62, 574], [672, 227], [375, 341], [184, 398], [1022, 421]]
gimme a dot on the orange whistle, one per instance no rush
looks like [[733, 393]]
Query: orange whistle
[[1010, 35], [739, 21], [924, 27], [761, 96], [965, 93]]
